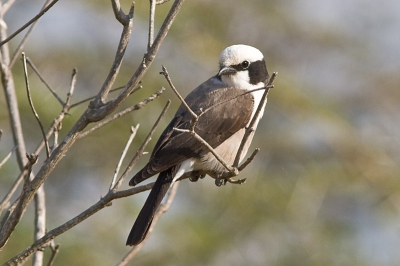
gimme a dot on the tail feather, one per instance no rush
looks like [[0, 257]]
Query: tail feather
[[141, 176], [143, 221]]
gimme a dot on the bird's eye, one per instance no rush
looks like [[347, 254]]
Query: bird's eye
[[245, 64]]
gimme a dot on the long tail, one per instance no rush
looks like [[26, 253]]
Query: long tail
[[143, 221]]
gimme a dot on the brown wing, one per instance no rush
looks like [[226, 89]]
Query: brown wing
[[226, 110]]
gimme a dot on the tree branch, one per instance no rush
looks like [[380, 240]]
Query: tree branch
[[103, 202], [25, 39], [28, 91], [140, 151], [41, 13], [34, 68], [7, 81], [151, 24], [128, 144], [136, 107], [96, 111]]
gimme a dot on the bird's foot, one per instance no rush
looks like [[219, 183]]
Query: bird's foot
[[220, 181], [237, 181], [195, 177]]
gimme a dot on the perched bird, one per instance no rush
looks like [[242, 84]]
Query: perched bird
[[226, 104]]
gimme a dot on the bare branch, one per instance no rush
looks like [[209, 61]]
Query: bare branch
[[91, 98], [6, 200], [25, 39], [71, 89], [161, 210], [119, 14], [41, 13], [28, 90], [30, 63], [54, 251], [140, 151], [8, 156], [248, 161], [128, 144], [103, 202], [40, 224], [231, 169], [97, 111], [148, 57], [11, 98], [137, 106], [124, 40], [151, 23], [8, 221], [166, 75], [256, 118]]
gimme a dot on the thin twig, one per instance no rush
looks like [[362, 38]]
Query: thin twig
[[248, 161], [25, 39], [166, 75], [92, 97], [151, 23], [41, 13], [71, 88], [8, 156], [54, 251], [137, 106], [28, 90], [256, 118], [121, 159], [161, 210], [34, 68], [147, 59], [99, 205], [140, 151], [7, 223], [97, 111], [231, 169], [6, 200], [7, 81]]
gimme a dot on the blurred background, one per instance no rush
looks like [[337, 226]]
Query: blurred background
[[325, 188]]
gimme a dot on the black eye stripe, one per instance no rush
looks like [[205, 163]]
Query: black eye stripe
[[240, 67], [257, 71]]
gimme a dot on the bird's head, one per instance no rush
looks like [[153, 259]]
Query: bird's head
[[242, 67]]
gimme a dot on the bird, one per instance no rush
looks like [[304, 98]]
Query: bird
[[225, 104]]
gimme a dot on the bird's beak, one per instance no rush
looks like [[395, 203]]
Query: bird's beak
[[226, 71]]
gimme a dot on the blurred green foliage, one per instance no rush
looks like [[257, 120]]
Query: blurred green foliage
[[324, 190]]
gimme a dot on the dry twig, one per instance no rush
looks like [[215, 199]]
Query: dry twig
[[41, 13], [28, 90], [103, 202], [128, 144]]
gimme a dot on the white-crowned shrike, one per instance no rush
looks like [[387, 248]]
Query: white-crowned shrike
[[231, 100]]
